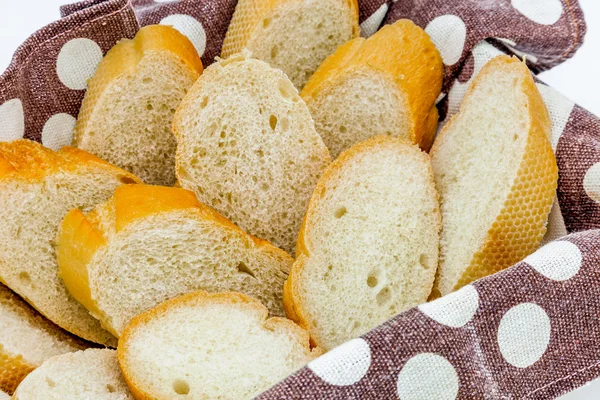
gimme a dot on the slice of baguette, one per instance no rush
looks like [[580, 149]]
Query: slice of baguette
[[91, 374], [368, 248], [386, 84], [210, 346], [247, 147], [37, 188], [27, 340], [496, 174], [148, 244], [128, 108], [292, 35]]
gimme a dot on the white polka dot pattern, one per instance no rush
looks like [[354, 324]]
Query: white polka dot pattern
[[455, 309], [77, 62], [543, 12], [591, 182], [58, 131], [12, 121], [372, 24], [559, 108], [427, 376], [558, 261], [448, 33], [189, 27], [344, 365], [524, 334]]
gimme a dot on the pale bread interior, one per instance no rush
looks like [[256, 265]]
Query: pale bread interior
[[247, 147], [372, 236], [130, 126], [90, 374], [212, 350]]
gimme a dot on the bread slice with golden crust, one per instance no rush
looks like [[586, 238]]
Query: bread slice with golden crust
[[148, 244], [292, 35], [90, 374], [210, 346], [37, 188], [496, 175], [128, 108], [27, 339], [386, 84], [368, 248]]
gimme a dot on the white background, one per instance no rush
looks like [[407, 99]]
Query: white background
[[578, 78]]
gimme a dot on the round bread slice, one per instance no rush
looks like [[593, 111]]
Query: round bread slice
[[27, 340], [384, 85], [37, 188], [148, 244], [247, 147], [128, 108], [210, 346], [90, 374], [368, 248], [292, 35], [496, 175]]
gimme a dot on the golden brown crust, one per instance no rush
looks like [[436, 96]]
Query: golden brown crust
[[404, 55], [519, 228], [13, 369]]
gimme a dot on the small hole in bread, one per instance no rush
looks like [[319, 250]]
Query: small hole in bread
[[204, 103], [286, 89], [340, 212], [343, 129], [149, 107], [180, 386], [25, 278], [323, 191], [383, 296], [515, 137], [243, 269], [285, 123], [273, 122], [424, 261], [356, 325], [147, 80], [126, 180], [372, 281], [110, 388], [50, 382], [266, 22], [274, 51]]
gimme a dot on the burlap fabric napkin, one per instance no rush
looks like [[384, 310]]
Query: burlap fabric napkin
[[531, 331]]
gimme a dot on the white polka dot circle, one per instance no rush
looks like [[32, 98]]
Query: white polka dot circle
[[558, 261], [58, 131], [190, 27], [77, 62], [371, 24], [427, 376], [344, 365], [543, 12], [12, 121], [559, 108], [591, 182], [524, 334], [455, 309], [448, 33]]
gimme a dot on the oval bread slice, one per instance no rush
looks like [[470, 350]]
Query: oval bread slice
[[27, 340], [210, 346], [386, 84], [292, 35], [496, 174], [148, 244], [90, 374], [37, 188], [128, 108], [247, 147], [368, 248]]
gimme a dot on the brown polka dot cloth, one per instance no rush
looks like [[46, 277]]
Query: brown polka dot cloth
[[530, 331]]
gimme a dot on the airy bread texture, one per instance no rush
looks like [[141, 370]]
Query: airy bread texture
[[128, 108], [368, 248], [292, 35], [148, 244], [247, 147], [27, 340], [496, 174], [384, 85], [37, 188], [210, 346], [90, 374]]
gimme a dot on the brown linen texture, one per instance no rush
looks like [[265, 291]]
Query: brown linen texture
[[528, 332]]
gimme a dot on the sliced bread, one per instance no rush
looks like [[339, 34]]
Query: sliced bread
[[128, 108], [247, 147], [148, 244], [496, 175], [91, 374], [384, 85], [210, 346], [37, 188], [292, 35], [27, 340], [368, 248]]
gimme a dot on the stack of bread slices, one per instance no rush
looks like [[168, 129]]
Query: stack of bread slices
[[221, 228]]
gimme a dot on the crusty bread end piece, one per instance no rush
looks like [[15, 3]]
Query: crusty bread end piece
[[496, 175], [210, 346]]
